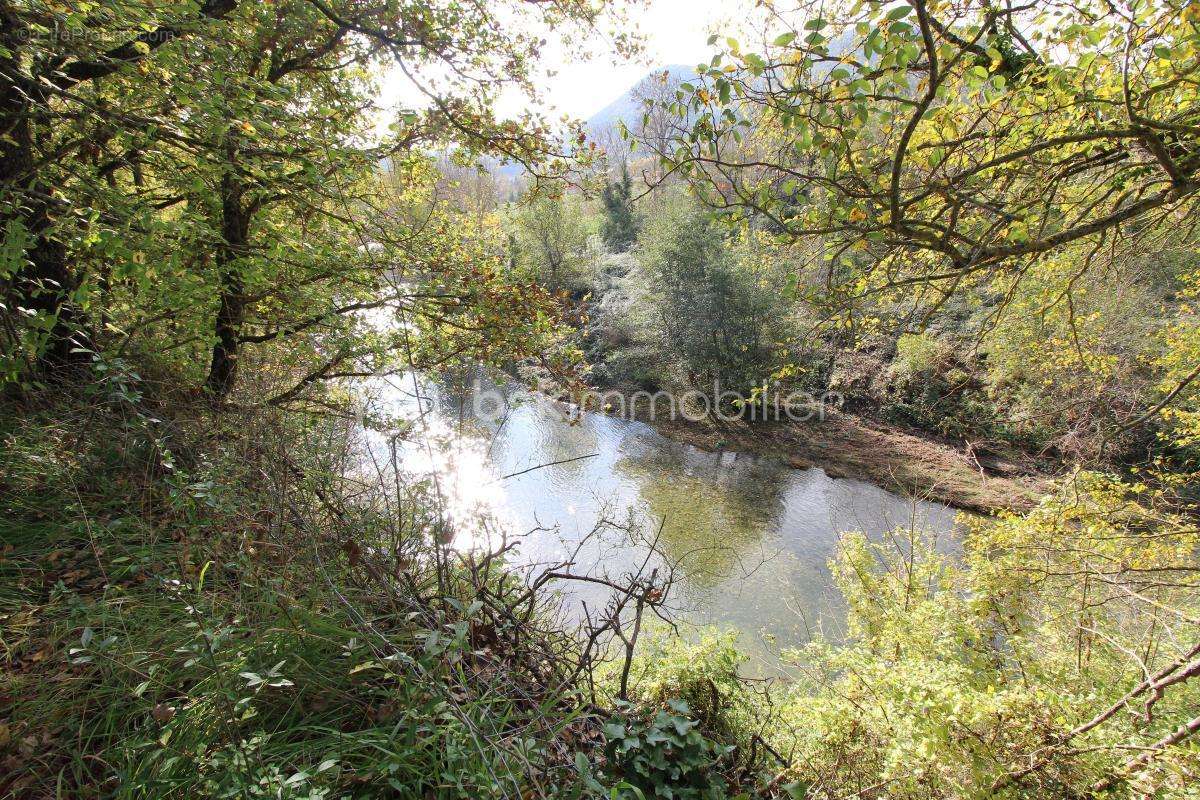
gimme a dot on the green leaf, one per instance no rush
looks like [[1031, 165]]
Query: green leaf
[[784, 39]]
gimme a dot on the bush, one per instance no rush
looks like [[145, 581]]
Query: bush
[[935, 383], [664, 756], [189, 611], [701, 673], [980, 675], [712, 316]]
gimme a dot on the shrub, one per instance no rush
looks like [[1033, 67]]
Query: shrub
[[664, 755]]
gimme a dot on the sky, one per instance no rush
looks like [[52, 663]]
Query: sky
[[675, 32]]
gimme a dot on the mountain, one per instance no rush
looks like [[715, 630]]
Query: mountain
[[628, 108]]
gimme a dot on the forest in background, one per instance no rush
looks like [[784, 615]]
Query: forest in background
[[970, 219]]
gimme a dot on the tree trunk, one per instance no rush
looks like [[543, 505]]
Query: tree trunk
[[45, 283], [235, 230]]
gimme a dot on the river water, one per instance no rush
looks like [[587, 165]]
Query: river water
[[751, 537]]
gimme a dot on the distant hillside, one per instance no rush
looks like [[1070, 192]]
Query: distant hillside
[[627, 108]]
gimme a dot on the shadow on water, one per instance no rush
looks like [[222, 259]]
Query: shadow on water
[[753, 537]]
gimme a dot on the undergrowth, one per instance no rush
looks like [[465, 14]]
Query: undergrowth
[[203, 604], [193, 610]]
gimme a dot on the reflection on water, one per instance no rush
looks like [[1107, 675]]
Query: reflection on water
[[753, 536]]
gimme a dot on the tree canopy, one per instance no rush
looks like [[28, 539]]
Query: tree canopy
[[963, 137], [207, 177], [934, 148]]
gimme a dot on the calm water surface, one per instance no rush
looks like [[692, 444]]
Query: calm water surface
[[752, 536]]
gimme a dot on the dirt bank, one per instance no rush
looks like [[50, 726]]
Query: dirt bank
[[849, 446]]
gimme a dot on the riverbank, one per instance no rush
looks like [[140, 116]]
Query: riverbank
[[194, 615], [850, 446], [847, 445]]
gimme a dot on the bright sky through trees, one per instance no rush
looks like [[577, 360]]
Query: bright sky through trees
[[674, 32]]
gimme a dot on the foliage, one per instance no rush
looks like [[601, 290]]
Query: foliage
[[711, 313], [185, 617], [950, 139], [705, 675], [664, 756], [936, 384], [203, 179], [197, 201], [1055, 656], [1178, 363], [1071, 356], [918, 354], [1019, 671], [549, 242], [1036, 164], [620, 226]]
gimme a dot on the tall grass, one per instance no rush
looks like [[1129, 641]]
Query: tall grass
[[201, 605]]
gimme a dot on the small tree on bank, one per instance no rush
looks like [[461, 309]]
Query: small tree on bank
[[712, 314], [620, 225]]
